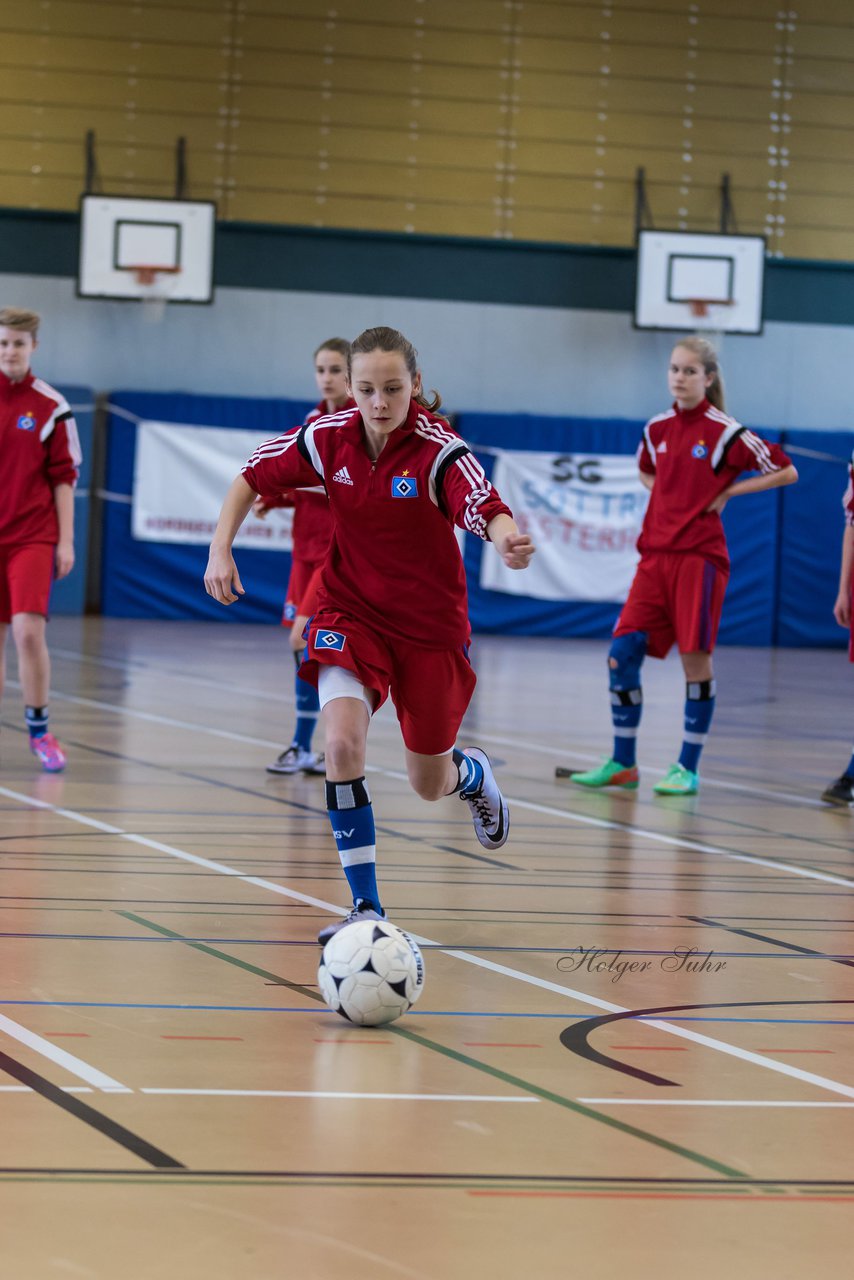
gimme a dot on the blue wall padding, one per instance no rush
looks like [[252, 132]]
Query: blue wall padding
[[811, 540], [784, 545], [162, 580], [69, 595]]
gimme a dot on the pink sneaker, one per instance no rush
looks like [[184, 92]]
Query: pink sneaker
[[49, 752]]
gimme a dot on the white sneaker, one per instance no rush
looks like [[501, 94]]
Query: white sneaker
[[489, 810], [362, 909], [295, 759]]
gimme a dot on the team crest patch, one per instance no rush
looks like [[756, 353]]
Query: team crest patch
[[26, 422], [329, 640], [405, 486], [290, 612], [699, 450]]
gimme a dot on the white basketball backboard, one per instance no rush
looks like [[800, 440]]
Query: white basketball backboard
[[697, 281], [120, 234]]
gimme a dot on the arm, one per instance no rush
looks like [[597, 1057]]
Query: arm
[[515, 548], [755, 484], [63, 497], [222, 580], [646, 479], [842, 608]]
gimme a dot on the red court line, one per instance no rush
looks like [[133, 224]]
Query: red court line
[[201, 1037], [745, 1197]]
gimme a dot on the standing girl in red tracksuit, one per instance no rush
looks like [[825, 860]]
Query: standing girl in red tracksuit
[[841, 791], [690, 459], [40, 453], [312, 533], [392, 612]]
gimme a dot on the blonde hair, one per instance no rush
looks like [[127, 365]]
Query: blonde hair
[[17, 318], [708, 357], [390, 340], [340, 345]]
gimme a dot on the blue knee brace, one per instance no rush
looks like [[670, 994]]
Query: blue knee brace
[[628, 652]]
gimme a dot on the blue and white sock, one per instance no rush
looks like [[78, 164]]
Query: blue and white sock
[[626, 709], [37, 720], [699, 709], [470, 771], [352, 816], [308, 709]]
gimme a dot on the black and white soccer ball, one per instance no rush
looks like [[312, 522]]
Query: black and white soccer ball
[[370, 972]]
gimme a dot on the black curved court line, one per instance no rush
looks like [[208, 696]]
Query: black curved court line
[[776, 942], [575, 1038], [82, 1111]]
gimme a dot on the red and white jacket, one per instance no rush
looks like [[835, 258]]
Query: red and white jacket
[[312, 527], [694, 455], [394, 561], [39, 449], [848, 496]]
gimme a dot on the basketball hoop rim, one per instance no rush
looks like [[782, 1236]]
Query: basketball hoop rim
[[700, 306], [147, 273]]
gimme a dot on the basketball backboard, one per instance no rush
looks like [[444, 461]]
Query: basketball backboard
[[697, 281], [123, 240]]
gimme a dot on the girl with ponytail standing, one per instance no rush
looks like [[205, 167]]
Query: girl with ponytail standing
[[690, 459]]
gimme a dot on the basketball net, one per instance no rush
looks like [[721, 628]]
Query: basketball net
[[708, 312], [155, 286]]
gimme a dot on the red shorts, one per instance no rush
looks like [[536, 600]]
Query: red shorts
[[26, 577], [430, 688], [301, 593], [675, 597]]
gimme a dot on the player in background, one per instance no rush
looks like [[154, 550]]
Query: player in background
[[312, 532], [41, 457], [841, 791], [690, 459], [392, 612]]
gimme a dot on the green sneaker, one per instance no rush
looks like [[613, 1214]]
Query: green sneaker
[[678, 781], [609, 774]]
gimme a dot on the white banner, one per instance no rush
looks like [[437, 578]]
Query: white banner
[[180, 477], [584, 512]]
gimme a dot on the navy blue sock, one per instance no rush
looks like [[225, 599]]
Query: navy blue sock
[[626, 708], [470, 771], [36, 718], [308, 709], [352, 816], [850, 769], [699, 708]]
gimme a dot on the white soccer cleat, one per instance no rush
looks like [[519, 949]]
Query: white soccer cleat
[[489, 811]]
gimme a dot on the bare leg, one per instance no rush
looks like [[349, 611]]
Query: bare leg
[[28, 630]]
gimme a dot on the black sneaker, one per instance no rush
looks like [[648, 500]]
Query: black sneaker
[[840, 792], [489, 811], [362, 909]]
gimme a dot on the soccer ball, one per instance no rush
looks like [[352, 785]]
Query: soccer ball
[[371, 972]]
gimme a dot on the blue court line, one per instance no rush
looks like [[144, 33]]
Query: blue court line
[[421, 1013], [561, 951]]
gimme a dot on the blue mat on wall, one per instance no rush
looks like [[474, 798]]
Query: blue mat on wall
[[164, 580]]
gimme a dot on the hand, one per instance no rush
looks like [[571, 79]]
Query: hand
[[64, 559], [516, 550], [221, 577], [719, 503], [260, 508], [842, 609]]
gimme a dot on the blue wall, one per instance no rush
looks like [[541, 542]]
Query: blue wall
[[784, 544]]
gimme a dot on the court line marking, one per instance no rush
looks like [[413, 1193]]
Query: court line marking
[[705, 1102], [517, 975], [497, 739], [310, 1093], [72, 1064]]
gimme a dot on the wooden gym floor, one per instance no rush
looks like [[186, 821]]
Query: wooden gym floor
[[175, 1101]]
